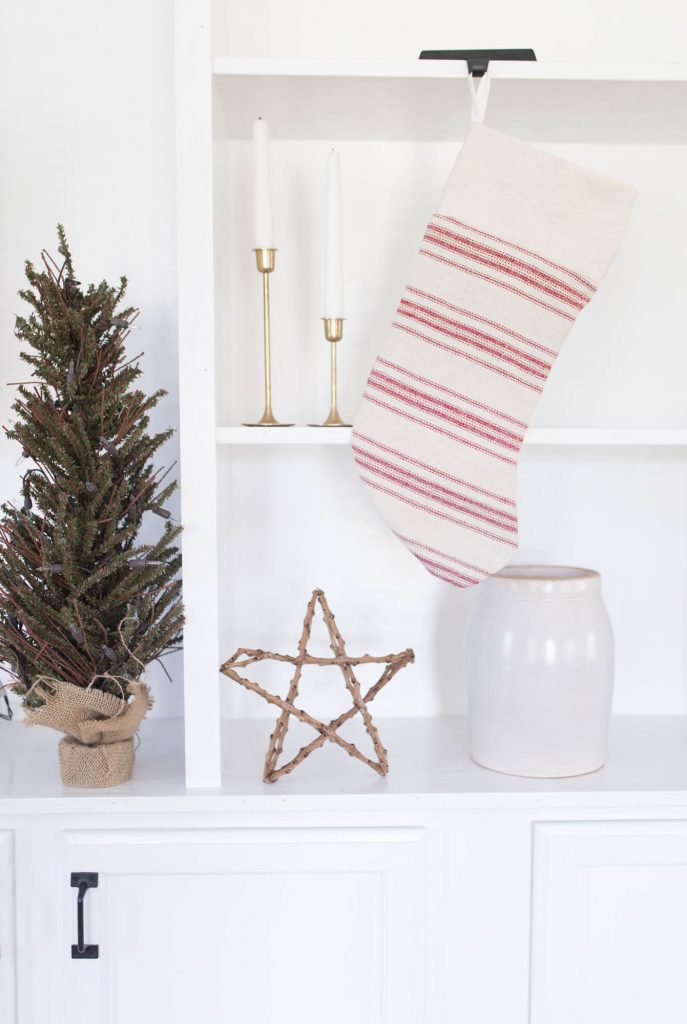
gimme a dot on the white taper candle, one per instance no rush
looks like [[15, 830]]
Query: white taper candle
[[264, 227], [333, 265]]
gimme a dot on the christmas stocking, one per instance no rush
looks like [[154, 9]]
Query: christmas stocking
[[515, 250]]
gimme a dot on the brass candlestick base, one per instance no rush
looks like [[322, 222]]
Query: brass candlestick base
[[265, 260], [333, 332]]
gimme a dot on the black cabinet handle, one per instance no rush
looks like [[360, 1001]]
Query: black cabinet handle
[[83, 881]]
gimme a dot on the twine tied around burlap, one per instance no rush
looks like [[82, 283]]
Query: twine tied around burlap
[[98, 748]]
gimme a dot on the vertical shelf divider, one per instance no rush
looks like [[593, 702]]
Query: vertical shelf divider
[[197, 390]]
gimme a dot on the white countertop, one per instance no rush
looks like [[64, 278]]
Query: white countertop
[[429, 767]]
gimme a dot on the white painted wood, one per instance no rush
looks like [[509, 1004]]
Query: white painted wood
[[285, 67], [675, 437], [486, 895], [609, 906], [535, 70], [294, 435], [196, 390], [430, 767], [7, 929], [587, 71], [428, 100], [252, 925]]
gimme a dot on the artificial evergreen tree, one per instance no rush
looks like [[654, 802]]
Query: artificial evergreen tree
[[82, 600]]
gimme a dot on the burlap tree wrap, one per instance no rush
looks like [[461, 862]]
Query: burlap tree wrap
[[98, 749], [106, 764]]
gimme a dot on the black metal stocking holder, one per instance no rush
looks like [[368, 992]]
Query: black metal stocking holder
[[477, 60]]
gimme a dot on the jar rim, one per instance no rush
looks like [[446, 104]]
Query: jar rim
[[545, 573]]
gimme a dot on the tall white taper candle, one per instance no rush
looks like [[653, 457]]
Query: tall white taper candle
[[333, 265], [264, 227]]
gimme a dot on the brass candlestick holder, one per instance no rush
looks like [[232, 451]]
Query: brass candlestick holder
[[333, 332], [265, 260]]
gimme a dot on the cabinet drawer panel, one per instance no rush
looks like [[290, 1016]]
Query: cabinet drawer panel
[[608, 931], [252, 925]]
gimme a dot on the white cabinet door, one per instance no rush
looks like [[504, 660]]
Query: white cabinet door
[[7, 929], [609, 939], [249, 926]]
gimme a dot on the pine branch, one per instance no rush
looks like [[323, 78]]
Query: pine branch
[[79, 595]]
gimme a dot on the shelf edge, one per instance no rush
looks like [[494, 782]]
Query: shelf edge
[[675, 437], [503, 70]]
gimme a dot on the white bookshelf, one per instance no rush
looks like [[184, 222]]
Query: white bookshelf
[[406, 118], [430, 769], [548, 71], [422, 100], [637, 437]]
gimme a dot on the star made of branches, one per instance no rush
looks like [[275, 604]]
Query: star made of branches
[[326, 731]]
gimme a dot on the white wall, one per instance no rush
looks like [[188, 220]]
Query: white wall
[[86, 137], [611, 30]]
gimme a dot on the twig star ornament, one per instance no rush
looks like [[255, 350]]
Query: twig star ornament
[[393, 663]]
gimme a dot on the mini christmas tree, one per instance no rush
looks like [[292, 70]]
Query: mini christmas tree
[[82, 600]]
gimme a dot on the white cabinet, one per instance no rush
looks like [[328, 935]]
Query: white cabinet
[[444, 894], [7, 927], [609, 913], [484, 915], [248, 926]]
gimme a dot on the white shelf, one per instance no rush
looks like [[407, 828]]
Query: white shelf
[[284, 435], [377, 103], [506, 70], [429, 762], [581, 436], [425, 100]]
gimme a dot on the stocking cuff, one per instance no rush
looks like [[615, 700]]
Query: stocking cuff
[[562, 212]]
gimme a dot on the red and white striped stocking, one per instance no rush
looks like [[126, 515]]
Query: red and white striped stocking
[[515, 251]]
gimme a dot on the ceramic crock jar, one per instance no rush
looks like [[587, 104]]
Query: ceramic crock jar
[[539, 663]]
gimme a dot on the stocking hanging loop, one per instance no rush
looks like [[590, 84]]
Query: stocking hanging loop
[[479, 96]]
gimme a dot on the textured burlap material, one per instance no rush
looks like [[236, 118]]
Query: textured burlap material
[[96, 767], [91, 716], [98, 748]]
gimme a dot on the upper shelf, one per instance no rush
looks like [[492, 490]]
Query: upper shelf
[[627, 436], [427, 101]]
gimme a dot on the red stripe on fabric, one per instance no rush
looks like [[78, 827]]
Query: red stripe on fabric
[[499, 284], [454, 394], [435, 512], [533, 364], [442, 554], [499, 255], [465, 355], [454, 506], [450, 575], [435, 326], [461, 250], [495, 516], [436, 429], [432, 469], [519, 248], [456, 423], [469, 580], [482, 428], [481, 320]]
